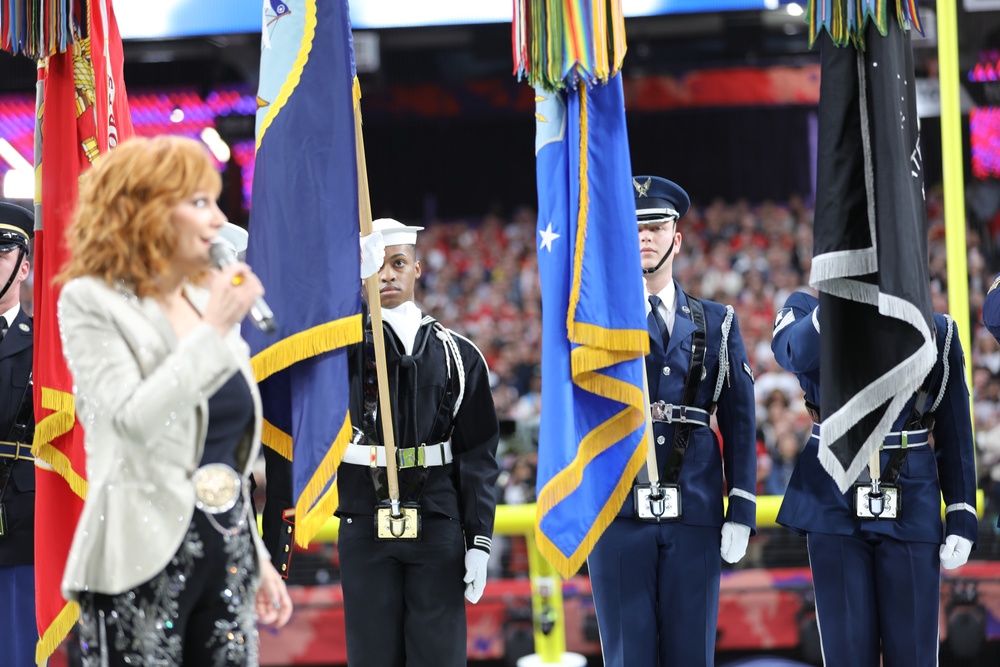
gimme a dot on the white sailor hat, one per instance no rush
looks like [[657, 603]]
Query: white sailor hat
[[395, 232]]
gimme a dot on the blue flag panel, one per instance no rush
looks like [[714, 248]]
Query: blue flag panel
[[304, 227], [594, 338]]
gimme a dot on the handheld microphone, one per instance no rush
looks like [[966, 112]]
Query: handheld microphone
[[223, 255]]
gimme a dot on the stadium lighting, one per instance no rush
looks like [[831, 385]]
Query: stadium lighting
[[216, 144]]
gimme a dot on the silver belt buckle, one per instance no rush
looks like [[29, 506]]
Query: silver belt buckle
[[216, 488], [662, 412], [891, 499], [665, 508]]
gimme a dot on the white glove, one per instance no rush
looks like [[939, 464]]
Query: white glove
[[372, 254], [735, 537], [955, 551], [475, 574]]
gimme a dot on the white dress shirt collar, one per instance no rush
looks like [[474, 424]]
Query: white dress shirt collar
[[11, 314], [668, 304]]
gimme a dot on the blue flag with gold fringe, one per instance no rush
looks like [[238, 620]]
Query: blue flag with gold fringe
[[591, 440], [304, 226]]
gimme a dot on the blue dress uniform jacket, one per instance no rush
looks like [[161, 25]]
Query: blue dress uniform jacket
[[706, 463], [18, 634], [877, 581], [19, 497], [991, 317], [812, 501], [991, 309], [656, 585]]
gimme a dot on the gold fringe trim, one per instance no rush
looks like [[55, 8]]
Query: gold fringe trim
[[356, 90], [305, 344], [60, 422], [566, 481], [314, 506], [568, 565], [634, 341], [56, 632], [276, 439], [295, 75], [57, 424], [611, 388], [62, 465], [581, 216]]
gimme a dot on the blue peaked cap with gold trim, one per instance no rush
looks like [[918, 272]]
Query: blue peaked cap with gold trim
[[659, 200], [17, 225]]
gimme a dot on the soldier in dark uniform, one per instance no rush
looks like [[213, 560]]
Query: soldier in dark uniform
[[991, 318], [18, 633], [877, 581], [656, 578], [403, 600]]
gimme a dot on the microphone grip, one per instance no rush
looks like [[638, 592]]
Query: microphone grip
[[262, 316], [260, 312]]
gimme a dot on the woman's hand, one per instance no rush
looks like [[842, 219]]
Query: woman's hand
[[233, 291], [274, 607]]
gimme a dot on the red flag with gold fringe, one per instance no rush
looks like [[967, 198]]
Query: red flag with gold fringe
[[82, 112]]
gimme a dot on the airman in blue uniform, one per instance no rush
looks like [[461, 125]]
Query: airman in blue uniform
[[991, 318], [656, 569], [877, 581]]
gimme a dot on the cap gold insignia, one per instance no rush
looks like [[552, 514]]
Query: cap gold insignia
[[642, 188]]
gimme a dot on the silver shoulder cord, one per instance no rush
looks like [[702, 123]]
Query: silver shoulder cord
[[944, 361], [451, 352], [727, 325]]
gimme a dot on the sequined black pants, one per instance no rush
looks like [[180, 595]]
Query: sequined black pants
[[199, 611]]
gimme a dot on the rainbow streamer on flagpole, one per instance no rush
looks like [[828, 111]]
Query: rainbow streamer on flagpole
[[560, 44], [846, 20]]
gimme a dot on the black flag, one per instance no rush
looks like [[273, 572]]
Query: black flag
[[870, 247]]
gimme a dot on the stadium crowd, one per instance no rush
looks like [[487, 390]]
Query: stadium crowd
[[481, 278]]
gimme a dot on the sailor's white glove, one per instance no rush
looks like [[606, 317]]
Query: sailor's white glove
[[955, 551], [372, 254], [735, 537], [475, 574]]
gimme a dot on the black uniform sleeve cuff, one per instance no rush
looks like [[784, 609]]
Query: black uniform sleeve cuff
[[481, 542]]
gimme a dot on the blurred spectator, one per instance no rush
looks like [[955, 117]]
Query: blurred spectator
[[786, 455], [481, 276]]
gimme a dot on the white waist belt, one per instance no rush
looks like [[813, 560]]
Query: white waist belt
[[424, 456]]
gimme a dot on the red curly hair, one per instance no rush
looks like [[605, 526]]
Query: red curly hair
[[122, 228]]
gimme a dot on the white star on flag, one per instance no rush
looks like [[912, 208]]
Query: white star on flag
[[548, 236]]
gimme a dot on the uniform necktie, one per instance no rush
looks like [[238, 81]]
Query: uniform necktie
[[655, 323], [3, 326]]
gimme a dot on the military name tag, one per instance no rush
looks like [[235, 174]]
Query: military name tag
[[406, 526], [665, 507], [866, 507]]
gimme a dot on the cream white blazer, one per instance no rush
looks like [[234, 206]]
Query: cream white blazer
[[142, 399]]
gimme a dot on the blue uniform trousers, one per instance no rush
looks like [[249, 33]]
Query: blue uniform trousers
[[656, 591], [18, 629], [872, 591]]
